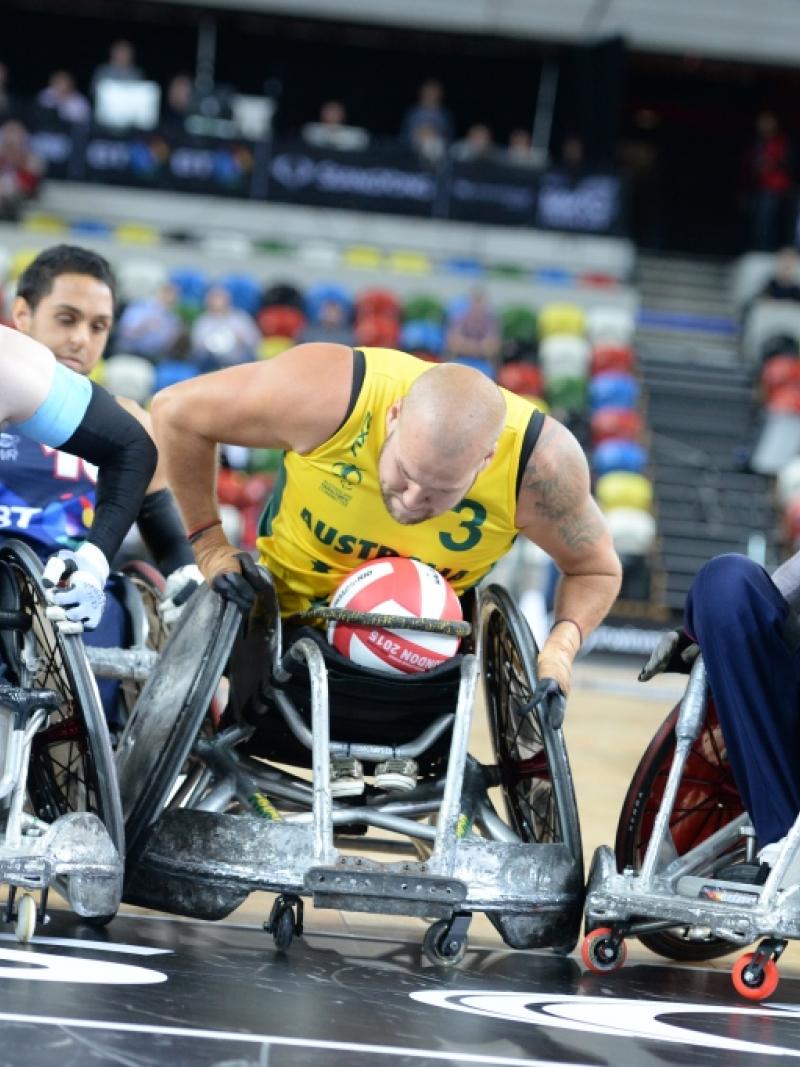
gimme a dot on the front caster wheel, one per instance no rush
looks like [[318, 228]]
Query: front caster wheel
[[602, 952], [444, 945], [26, 918], [754, 981], [282, 922]]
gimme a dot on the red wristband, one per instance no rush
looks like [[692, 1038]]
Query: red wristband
[[575, 624], [198, 532]]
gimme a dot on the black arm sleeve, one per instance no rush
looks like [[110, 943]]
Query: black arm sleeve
[[162, 531], [126, 458]]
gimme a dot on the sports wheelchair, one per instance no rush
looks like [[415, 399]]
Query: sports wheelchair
[[671, 881], [61, 821], [211, 817]]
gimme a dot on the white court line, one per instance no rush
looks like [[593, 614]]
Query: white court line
[[273, 1039], [94, 946]]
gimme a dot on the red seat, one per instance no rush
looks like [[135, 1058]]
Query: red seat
[[377, 331], [791, 523], [523, 378], [281, 320], [231, 487], [786, 398], [623, 423], [779, 371], [617, 358], [377, 302]]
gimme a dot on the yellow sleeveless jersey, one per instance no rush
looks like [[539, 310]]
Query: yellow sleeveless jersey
[[327, 516]]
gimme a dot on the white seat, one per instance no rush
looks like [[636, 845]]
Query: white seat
[[564, 355], [318, 254], [227, 244], [633, 531], [612, 325], [779, 442], [788, 484], [140, 278], [769, 318], [130, 376], [749, 276]]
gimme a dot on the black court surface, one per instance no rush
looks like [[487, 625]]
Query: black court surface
[[151, 990]]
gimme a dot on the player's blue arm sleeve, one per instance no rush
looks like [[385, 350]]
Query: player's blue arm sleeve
[[62, 410], [125, 456]]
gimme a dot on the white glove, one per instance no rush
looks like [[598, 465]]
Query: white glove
[[179, 587], [74, 582]]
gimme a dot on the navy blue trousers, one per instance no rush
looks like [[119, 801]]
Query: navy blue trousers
[[750, 649]]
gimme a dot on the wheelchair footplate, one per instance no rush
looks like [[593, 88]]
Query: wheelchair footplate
[[357, 884]]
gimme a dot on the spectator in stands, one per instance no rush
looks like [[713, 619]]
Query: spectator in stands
[[429, 111], [772, 175], [121, 66], [151, 327], [20, 170], [477, 145], [429, 144], [177, 105], [332, 131], [474, 336], [332, 326], [223, 335], [520, 150], [784, 283], [572, 161], [62, 96]]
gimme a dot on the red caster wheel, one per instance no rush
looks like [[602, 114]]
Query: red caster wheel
[[754, 983], [602, 952]]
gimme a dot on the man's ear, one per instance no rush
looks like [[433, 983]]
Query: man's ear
[[393, 414], [21, 314]]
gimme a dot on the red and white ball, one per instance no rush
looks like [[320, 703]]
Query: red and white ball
[[395, 585]]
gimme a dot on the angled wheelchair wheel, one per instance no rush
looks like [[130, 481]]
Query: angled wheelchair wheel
[[707, 801], [149, 631], [531, 756], [72, 766], [169, 713]]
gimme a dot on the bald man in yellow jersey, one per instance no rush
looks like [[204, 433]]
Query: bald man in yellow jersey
[[386, 454]]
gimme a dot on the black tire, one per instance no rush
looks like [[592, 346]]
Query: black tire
[[531, 756], [72, 766], [433, 942], [168, 716], [283, 932], [707, 800]]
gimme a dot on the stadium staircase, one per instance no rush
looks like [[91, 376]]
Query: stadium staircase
[[702, 413]]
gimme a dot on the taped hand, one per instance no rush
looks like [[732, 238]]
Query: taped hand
[[74, 582]]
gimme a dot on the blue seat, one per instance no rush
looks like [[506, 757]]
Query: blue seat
[[456, 306], [482, 365], [90, 228], [245, 291], [613, 390], [323, 293], [171, 370], [462, 265], [422, 334], [617, 454], [192, 285]]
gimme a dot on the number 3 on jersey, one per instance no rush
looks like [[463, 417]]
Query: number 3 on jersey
[[471, 526]]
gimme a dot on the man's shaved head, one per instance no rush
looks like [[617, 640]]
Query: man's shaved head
[[440, 436], [457, 409]]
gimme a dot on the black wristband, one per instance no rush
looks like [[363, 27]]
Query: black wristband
[[162, 531], [126, 457]]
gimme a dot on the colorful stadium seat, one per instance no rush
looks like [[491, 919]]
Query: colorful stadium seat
[[788, 482], [624, 489], [269, 347], [136, 233], [423, 307], [377, 331], [613, 391], [567, 394], [130, 376], [192, 285], [617, 454], [612, 357], [561, 318], [421, 335], [779, 371], [140, 278], [633, 531], [377, 301], [245, 291], [610, 325], [410, 263], [169, 371], [564, 355], [366, 257], [322, 293], [518, 323], [615, 422], [282, 320], [49, 225], [523, 378]]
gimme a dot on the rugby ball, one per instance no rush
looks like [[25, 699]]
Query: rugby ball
[[395, 585]]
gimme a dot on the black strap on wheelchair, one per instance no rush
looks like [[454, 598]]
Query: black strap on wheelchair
[[15, 620], [449, 627]]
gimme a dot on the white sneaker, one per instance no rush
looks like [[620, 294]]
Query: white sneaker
[[347, 776], [396, 775], [769, 854]]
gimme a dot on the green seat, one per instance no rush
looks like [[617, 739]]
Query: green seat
[[518, 323], [423, 307], [187, 313], [568, 394], [265, 460]]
